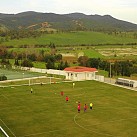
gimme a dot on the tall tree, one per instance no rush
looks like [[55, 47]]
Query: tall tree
[[50, 64], [83, 60]]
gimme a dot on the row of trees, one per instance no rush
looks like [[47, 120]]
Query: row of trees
[[50, 63], [54, 61], [51, 59], [123, 68], [18, 34]]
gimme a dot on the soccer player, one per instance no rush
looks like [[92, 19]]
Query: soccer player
[[31, 90], [78, 107], [73, 84], [91, 105], [67, 98], [61, 93], [85, 107]]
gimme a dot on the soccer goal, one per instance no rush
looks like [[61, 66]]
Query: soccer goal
[[30, 81], [3, 133]]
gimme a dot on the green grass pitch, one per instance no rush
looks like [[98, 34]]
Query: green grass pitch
[[45, 113]]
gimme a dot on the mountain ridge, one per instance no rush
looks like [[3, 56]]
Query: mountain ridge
[[71, 21]]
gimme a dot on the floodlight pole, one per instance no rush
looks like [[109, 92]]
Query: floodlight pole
[[110, 72], [50, 80], [22, 75]]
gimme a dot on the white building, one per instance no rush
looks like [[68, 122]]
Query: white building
[[80, 73]]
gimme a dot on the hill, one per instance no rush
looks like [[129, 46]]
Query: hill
[[73, 21]]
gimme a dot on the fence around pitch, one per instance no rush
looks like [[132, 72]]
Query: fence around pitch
[[30, 81]]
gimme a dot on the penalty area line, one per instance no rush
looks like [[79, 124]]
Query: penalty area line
[[4, 96], [7, 127], [112, 121], [42, 133]]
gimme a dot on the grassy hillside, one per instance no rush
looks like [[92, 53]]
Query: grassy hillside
[[73, 38]]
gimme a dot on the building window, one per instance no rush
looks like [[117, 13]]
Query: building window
[[75, 75], [87, 75]]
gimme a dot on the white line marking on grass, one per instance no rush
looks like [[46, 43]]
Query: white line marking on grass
[[118, 100], [42, 133], [91, 130], [112, 121], [3, 131], [104, 107], [7, 127], [4, 96]]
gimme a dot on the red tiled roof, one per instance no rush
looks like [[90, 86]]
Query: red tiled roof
[[80, 69]]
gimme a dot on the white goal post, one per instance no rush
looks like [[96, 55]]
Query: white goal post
[[2, 130]]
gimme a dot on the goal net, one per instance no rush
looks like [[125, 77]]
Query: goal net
[[30, 81]]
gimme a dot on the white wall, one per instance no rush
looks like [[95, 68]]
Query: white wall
[[99, 78], [77, 76], [48, 71]]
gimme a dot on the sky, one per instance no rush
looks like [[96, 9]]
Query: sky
[[120, 9]]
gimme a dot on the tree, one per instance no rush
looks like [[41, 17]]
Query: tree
[[53, 48], [66, 64], [61, 65], [32, 57], [49, 57], [58, 57], [83, 60], [3, 77], [50, 64], [5, 63], [16, 63], [103, 65], [94, 62], [3, 52], [27, 63]]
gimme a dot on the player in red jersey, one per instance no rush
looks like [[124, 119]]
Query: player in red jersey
[[61, 93], [85, 107], [78, 107], [67, 98]]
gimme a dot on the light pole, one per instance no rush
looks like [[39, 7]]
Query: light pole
[[22, 75], [110, 71]]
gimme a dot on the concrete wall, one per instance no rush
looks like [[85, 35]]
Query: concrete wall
[[78, 76], [46, 71]]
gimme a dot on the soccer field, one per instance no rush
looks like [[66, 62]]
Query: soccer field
[[45, 113]]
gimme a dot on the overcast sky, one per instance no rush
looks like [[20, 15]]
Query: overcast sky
[[120, 9]]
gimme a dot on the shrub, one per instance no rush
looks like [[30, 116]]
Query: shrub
[[3, 77]]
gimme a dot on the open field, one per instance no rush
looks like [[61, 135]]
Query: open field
[[91, 44], [73, 38], [104, 52], [45, 113]]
